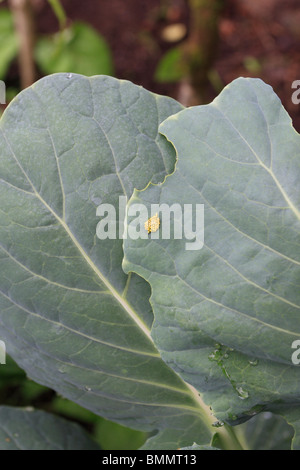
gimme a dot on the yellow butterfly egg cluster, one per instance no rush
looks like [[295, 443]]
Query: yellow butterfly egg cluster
[[152, 225]]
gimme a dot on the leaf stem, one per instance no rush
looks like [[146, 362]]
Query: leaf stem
[[59, 13], [227, 437], [25, 29]]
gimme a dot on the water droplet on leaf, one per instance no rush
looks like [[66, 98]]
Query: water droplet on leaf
[[218, 424], [243, 394], [253, 362], [62, 369]]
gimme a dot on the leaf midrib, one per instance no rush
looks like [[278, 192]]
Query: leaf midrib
[[268, 170], [88, 260], [200, 408]]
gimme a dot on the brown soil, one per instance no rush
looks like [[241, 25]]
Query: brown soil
[[258, 38]]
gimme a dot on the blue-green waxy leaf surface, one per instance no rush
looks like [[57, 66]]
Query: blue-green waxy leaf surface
[[267, 431], [24, 429], [226, 315], [69, 314]]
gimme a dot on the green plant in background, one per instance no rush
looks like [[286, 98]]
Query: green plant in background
[[8, 41], [17, 390], [211, 350], [22, 429], [9, 49], [171, 67], [192, 60], [78, 48]]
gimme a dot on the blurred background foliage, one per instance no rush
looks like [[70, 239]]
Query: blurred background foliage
[[16, 389], [187, 49]]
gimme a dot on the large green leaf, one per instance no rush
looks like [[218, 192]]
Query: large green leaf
[[266, 431], [292, 416], [24, 429], [68, 313], [226, 315]]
